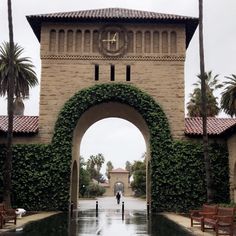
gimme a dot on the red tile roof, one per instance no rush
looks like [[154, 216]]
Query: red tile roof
[[21, 124], [119, 170], [193, 126], [113, 15], [215, 126]]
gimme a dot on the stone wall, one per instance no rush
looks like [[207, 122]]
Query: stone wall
[[119, 178], [66, 71]]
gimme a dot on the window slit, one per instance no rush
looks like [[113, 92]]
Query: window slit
[[96, 72], [112, 73], [128, 73]]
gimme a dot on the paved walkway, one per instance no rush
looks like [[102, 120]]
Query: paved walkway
[[110, 203], [110, 218], [25, 220], [185, 222]]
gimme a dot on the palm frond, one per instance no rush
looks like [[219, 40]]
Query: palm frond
[[24, 74]]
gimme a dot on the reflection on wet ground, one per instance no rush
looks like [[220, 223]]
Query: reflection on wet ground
[[108, 221]]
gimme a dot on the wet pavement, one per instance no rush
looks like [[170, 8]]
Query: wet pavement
[[110, 222], [107, 221], [108, 203]]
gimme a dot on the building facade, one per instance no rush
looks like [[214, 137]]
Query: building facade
[[85, 48], [118, 182]]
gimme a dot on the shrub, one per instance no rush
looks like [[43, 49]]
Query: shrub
[[94, 190]]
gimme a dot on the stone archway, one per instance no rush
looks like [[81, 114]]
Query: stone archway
[[107, 110], [114, 100]]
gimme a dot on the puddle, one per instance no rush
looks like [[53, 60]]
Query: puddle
[[107, 223]]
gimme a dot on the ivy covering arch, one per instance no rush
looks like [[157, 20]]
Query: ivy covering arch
[[160, 138], [41, 173]]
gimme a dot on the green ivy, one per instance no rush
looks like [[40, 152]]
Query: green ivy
[[181, 178], [41, 173]]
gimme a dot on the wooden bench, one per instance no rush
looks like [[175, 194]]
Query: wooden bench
[[222, 222], [197, 216], [6, 215]]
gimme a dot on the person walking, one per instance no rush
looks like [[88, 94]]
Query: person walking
[[118, 196]]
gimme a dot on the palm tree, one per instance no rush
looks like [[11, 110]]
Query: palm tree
[[194, 106], [108, 169], [16, 77], [7, 163], [204, 108], [24, 76], [99, 161], [128, 167], [94, 165], [228, 99]]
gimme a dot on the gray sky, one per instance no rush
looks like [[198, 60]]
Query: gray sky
[[220, 51]]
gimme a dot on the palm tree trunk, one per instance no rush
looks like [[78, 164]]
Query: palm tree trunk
[[7, 167], [204, 107]]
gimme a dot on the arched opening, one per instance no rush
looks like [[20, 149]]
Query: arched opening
[[122, 145], [119, 187], [106, 110]]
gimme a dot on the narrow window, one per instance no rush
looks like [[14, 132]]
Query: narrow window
[[112, 73], [96, 72], [95, 41], [87, 41], [61, 41], [128, 70], [130, 42], [139, 42], [70, 36], [78, 41], [165, 42], [147, 42], [156, 42], [52, 41], [173, 42]]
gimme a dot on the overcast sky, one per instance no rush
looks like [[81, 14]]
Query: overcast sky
[[220, 51]]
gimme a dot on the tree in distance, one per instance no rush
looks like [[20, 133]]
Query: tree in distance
[[195, 103], [94, 165], [228, 99], [109, 168]]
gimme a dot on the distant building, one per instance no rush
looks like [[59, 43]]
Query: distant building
[[118, 182]]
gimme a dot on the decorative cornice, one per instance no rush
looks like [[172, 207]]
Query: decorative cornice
[[124, 58]]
